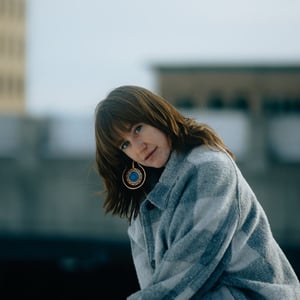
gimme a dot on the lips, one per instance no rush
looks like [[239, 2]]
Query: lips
[[150, 154]]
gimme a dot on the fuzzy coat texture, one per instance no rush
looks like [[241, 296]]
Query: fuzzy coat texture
[[202, 234]]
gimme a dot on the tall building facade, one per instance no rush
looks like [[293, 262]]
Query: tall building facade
[[12, 56]]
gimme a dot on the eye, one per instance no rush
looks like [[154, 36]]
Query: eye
[[138, 128], [124, 145]]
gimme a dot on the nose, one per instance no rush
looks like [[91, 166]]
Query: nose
[[139, 144]]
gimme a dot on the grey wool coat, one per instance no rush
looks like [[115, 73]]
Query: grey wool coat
[[202, 234]]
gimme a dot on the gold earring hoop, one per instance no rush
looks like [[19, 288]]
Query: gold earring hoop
[[135, 177]]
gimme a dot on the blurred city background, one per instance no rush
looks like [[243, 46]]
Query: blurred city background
[[234, 66]]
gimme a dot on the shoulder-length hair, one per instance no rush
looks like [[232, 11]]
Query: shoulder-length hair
[[129, 105]]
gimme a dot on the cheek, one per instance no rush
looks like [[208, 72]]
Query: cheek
[[168, 143]]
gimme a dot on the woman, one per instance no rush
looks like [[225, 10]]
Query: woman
[[196, 228]]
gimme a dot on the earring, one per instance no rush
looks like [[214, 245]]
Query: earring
[[135, 177]]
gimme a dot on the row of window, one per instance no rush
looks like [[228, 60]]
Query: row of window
[[11, 46], [12, 8], [270, 105], [281, 105], [10, 86]]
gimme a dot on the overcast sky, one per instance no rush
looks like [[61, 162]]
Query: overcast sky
[[78, 50]]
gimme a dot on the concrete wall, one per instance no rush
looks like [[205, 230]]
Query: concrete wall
[[48, 183]]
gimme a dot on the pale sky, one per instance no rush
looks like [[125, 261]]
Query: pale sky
[[78, 50]]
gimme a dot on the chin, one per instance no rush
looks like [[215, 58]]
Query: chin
[[158, 165]]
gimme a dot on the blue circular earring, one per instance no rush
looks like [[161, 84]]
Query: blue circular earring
[[135, 177]]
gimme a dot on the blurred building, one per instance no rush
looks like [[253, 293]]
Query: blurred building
[[256, 89], [12, 55], [259, 103]]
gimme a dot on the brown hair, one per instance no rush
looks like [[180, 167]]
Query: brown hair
[[130, 105]]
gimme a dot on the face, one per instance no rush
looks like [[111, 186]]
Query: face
[[146, 145]]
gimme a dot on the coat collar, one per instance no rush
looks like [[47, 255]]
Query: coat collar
[[159, 195]]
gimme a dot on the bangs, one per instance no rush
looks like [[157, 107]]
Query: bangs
[[116, 131], [114, 126]]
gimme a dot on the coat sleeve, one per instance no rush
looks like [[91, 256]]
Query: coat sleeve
[[201, 227]]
